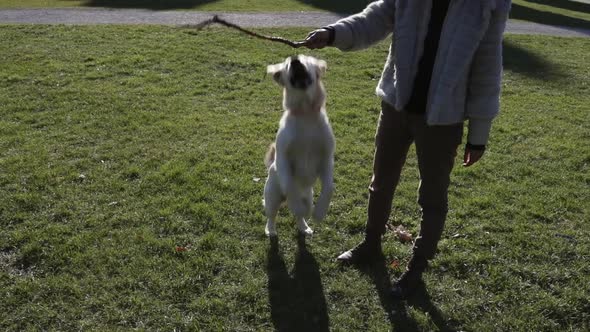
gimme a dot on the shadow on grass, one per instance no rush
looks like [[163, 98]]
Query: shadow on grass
[[565, 4], [524, 13], [148, 4], [297, 302], [522, 61], [339, 6], [421, 300], [519, 12], [396, 309]]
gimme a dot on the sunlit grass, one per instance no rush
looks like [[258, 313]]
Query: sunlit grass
[[131, 179]]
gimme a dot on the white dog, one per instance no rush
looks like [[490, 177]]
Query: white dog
[[304, 146]]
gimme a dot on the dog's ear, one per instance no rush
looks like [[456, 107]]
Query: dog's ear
[[276, 71], [322, 66]]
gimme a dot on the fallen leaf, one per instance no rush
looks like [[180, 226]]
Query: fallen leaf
[[181, 249], [402, 234], [394, 264]]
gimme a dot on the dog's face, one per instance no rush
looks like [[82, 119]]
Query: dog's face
[[298, 72]]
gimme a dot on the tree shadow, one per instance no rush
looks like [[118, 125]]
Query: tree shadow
[[524, 13], [297, 302], [565, 4], [148, 4], [522, 61], [396, 309], [339, 6]]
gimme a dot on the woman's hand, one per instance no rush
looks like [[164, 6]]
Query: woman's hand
[[317, 39], [471, 155]]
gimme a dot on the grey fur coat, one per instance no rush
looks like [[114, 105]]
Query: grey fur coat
[[466, 78]]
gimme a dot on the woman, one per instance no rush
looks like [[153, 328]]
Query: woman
[[444, 67]]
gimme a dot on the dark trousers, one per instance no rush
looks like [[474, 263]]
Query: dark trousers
[[436, 149]]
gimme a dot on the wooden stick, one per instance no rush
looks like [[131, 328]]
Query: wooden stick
[[216, 19]]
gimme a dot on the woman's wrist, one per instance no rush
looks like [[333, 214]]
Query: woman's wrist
[[332, 32]]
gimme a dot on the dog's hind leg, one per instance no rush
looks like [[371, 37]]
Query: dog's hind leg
[[303, 227], [273, 197], [308, 201]]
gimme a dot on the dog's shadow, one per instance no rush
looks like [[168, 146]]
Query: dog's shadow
[[297, 301], [397, 309]]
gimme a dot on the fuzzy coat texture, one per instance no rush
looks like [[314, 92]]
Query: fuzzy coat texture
[[304, 148], [466, 79]]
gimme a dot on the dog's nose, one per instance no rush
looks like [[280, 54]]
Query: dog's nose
[[299, 77], [296, 66], [295, 61]]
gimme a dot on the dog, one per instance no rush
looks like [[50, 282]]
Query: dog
[[303, 150]]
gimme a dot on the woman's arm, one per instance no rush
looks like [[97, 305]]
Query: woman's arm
[[358, 31]]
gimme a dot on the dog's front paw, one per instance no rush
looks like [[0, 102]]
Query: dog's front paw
[[270, 230], [319, 213], [304, 228]]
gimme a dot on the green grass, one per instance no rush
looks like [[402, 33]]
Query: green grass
[[118, 144], [214, 5], [566, 13], [555, 12]]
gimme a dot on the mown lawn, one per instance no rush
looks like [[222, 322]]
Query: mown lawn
[[229, 5], [131, 180]]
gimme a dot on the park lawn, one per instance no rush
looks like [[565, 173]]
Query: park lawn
[[567, 13], [554, 12], [131, 178], [206, 5]]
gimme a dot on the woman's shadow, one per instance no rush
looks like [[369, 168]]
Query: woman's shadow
[[397, 309], [297, 301]]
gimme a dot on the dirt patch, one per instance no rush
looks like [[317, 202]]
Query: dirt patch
[[9, 265]]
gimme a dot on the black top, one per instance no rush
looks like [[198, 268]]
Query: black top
[[417, 102]]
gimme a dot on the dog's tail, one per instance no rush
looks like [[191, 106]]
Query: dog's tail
[[270, 155]]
